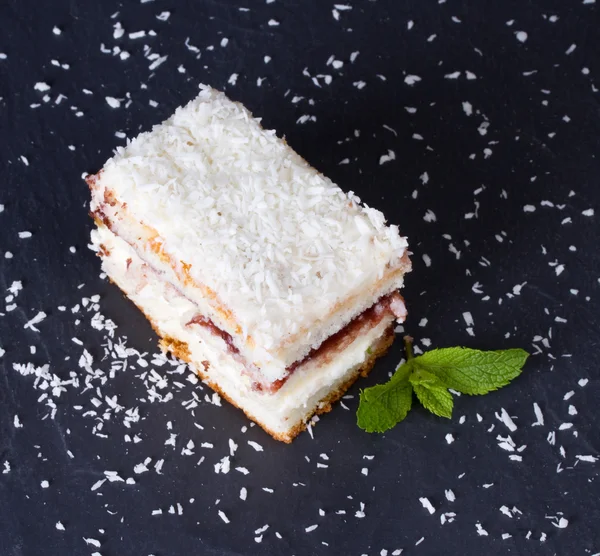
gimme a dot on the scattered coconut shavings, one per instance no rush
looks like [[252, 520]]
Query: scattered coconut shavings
[[411, 79], [223, 466], [35, 320], [142, 467], [427, 505], [558, 521], [468, 318], [155, 64], [480, 530], [98, 484], [41, 87], [360, 514], [113, 102], [521, 36], [430, 216], [391, 155], [538, 415], [507, 420], [447, 517], [223, 516]]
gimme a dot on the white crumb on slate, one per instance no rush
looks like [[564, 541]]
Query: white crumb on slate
[[427, 505], [429, 216], [223, 516], [41, 87], [411, 79], [538, 415], [480, 530], [361, 512], [31, 324], [521, 36], [391, 155], [113, 102], [507, 420]]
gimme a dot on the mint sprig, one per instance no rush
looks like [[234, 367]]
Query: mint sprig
[[431, 392], [429, 376]]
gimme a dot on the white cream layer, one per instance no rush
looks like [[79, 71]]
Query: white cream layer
[[279, 412]]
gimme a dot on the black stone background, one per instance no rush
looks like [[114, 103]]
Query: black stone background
[[48, 198]]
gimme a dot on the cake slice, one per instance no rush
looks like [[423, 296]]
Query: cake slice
[[276, 286]]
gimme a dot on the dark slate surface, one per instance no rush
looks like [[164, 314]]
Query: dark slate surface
[[529, 137]]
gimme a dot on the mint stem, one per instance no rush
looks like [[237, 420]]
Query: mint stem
[[408, 342]]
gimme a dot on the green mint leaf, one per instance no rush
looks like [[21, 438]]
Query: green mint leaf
[[383, 406], [432, 393], [471, 371]]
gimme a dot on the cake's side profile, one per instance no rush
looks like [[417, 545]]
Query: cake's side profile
[[277, 287]]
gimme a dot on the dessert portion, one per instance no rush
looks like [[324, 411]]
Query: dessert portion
[[276, 286]]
